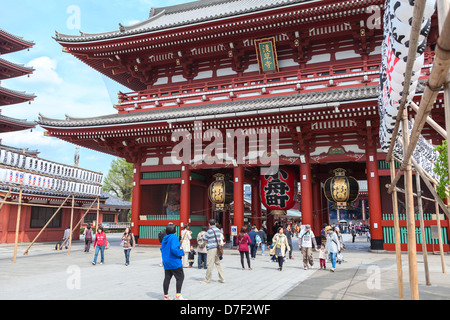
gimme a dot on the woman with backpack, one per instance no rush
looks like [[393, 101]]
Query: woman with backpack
[[243, 241], [128, 243], [87, 238], [201, 248]]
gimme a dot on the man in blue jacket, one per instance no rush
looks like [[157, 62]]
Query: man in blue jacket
[[253, 245], [171, 253]]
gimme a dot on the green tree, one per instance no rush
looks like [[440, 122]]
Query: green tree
[[441, 169], [119, 180]]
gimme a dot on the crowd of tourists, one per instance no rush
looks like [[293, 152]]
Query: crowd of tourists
[[177, 252]]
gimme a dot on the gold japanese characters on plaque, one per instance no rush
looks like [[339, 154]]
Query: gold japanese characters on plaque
[[266, 53]]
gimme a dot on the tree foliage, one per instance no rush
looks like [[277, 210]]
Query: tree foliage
[[441, 169], [119, 180]]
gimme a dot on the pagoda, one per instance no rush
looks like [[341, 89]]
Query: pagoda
[[31, 188], [10, 43], [300, 74]]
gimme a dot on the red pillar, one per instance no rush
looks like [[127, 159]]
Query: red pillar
[[317, 207], [373, 184], [238, 195], [185, 195], [306, 192], [136, 200], [256, 205]]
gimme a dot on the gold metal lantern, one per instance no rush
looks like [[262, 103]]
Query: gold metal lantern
[[220, 191], [341, 190]]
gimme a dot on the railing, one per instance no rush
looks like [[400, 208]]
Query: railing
[[402, 216], [170, 217], [151, 232], [308, 79], [389, 235]]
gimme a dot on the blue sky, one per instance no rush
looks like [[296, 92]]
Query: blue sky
[[63, 84]]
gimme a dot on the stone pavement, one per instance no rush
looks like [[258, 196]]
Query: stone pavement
[[46, 274]]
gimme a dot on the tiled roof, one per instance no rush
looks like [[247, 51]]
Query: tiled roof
[[282, 103], [184, 14], [20, 39], [21, 94], [112, 201], [24, 124], [11, 65]]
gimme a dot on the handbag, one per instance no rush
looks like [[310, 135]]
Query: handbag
[[219, 246]]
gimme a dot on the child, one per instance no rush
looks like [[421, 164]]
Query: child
[[191, 255], [322, 256]]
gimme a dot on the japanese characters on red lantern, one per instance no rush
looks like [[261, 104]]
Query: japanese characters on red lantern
[[278, 188]]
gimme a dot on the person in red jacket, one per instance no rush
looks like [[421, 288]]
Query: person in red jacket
[[100, 243], [243, 241]]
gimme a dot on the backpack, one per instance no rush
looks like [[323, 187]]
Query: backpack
[[257, 239], [200, 242], [161, 235]]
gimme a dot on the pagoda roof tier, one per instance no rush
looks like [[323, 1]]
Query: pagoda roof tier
[[218, 110], [202, 11], [11, 70], [11, 43], [8, 96], [35, 194], [31, 152], [184, 34], [8, 124]]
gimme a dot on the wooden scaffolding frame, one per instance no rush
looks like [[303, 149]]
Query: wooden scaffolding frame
[[438, 78], [72, 207]]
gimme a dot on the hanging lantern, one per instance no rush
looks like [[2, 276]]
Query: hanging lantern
[[220, 192], [341, 189], [277, 190]]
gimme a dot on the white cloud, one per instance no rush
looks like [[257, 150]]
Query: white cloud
[[45, 71], [28, 139]]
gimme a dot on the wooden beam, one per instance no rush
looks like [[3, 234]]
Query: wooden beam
[[6, 197], [422, 231], [410, 219], [82, 217], [16, 239], [398, 249], [45, 226], [430, 187], [439, 71], [431, 122]]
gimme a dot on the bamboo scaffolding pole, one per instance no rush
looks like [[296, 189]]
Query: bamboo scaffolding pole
[[6, 197], [82, 217], [422, 231], [16, 239], [45, 226], [38, 205], [398, 249], [438, 75], [430, 187], [419, 8], [441, 246], [430, 121], [71, 225], [410, 220], [414, 194], [443, 9]]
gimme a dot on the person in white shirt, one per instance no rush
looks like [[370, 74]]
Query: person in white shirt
[[306, 240]]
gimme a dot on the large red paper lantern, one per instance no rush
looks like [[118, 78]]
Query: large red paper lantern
[[278, 189]]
